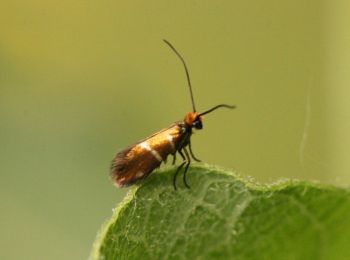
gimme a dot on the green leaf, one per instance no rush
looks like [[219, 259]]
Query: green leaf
[[224, 216]]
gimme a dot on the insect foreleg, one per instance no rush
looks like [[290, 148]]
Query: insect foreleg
[[188, 161], [194, 157], [179, 168]]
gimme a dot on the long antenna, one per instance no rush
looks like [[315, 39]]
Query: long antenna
[[187, 74], [216, 107]]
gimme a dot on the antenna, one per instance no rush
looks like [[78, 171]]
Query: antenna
[[216, 107], [186, 70]]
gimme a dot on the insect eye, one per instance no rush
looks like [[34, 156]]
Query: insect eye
[[197, 124]]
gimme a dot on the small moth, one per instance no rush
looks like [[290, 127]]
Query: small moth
[[137, 161]]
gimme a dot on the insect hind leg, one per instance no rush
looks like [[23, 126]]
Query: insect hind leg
[[174, 158]]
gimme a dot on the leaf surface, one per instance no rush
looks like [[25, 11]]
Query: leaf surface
[[224, 216]]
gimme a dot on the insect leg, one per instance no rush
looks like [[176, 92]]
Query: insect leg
[[194, 157], [188, 161], [179, 168], [174, 158]]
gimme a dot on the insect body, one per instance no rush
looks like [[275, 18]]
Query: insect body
[[139, 160]]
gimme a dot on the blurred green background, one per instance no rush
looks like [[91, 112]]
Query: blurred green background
[[80, 80]]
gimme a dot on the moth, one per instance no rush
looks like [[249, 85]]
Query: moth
[[138, 160]]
